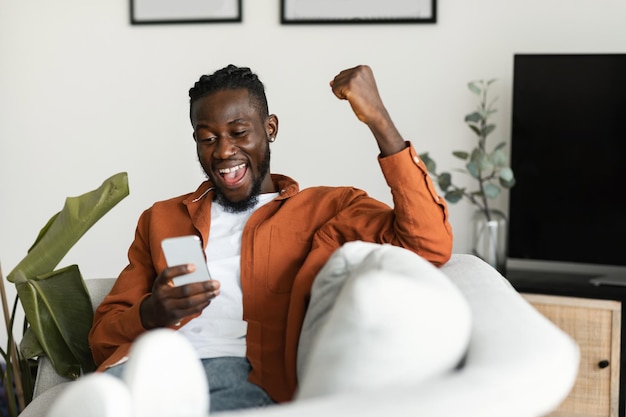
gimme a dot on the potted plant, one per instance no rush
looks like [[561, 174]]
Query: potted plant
[[53, 299], [490, 168]]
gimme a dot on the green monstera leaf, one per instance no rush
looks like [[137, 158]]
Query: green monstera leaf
[[65, 228], [56, 303], [60, 319]]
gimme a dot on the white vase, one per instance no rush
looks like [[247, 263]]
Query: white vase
[[489, 243]]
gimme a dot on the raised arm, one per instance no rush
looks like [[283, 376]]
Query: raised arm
[[419, 220], [358, 86]]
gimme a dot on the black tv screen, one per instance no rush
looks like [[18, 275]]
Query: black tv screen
[[568, 148]]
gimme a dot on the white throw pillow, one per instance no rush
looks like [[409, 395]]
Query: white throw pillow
[[379, 315]]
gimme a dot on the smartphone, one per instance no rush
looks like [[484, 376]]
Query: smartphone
[[186, 250]]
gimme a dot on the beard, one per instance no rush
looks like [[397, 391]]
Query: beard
[[253, 198]]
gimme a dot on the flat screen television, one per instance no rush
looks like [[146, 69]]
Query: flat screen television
[[567, 210]]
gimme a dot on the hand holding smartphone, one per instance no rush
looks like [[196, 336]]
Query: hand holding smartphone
[[186, 250]]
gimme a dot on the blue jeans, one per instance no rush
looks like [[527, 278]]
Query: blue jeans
[[229, 388]]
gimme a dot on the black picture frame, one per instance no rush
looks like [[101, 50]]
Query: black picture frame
[[149, 12], [357, 11]]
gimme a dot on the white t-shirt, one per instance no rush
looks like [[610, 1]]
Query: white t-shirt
[[220, 330]]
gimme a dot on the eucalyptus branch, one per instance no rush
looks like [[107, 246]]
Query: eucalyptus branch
[[479, 160], [461, 191]]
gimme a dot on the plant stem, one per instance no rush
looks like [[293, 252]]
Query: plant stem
[[11, 349], [482, 140]]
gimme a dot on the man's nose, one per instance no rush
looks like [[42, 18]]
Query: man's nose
[[224, 149]]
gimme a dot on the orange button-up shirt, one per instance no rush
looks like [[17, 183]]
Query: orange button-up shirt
[[284, 245]]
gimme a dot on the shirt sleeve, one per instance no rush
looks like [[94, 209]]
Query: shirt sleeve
[[421, 215], [117, 320]]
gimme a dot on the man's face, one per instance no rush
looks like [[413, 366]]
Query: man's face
[[232, 141]]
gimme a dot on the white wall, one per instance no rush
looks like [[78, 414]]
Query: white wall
[[83, 95]]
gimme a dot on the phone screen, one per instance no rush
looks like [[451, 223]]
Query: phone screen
[[186, 250]]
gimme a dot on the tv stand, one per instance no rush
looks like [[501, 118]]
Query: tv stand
[[610, 280], [594, 317]]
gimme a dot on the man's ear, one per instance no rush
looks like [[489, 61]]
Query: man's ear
[[271, 126]]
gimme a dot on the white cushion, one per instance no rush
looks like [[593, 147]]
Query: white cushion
[[165, 377], [94, 395], [379, 315]]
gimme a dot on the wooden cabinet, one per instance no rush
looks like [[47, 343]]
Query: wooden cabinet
[[595, 324]]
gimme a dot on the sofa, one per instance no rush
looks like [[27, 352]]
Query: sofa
[[479, 347]]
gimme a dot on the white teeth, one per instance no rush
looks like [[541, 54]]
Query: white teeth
[[233, 169]]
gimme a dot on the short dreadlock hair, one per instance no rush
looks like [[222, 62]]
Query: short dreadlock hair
[[231, 77]]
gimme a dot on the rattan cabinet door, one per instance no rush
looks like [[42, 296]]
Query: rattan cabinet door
[[595, 325]]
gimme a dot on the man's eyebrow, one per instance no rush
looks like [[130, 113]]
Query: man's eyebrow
[[238, 121], [203, 124]]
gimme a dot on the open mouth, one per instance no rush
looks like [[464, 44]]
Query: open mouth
[[231, 176]]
